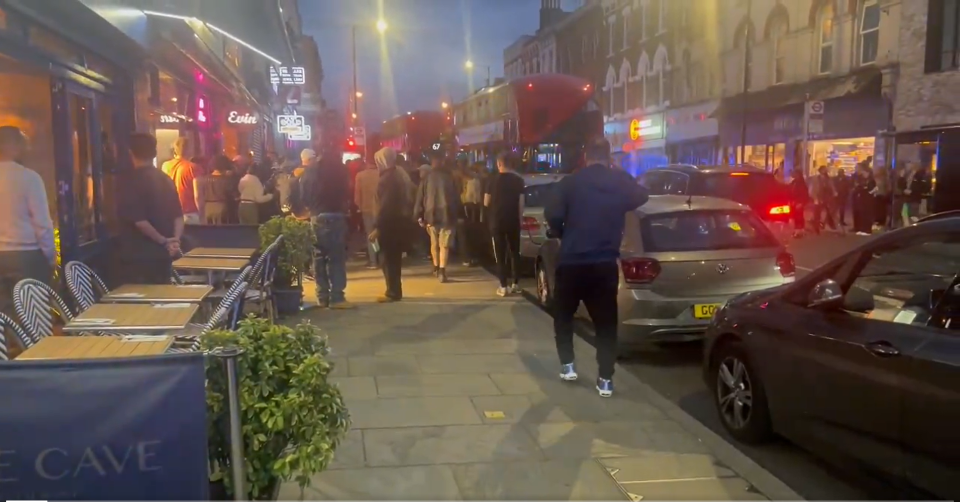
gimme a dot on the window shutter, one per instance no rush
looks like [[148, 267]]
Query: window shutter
[[934, 36]]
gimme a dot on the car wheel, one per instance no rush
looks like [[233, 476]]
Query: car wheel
[[739, 396], [543, 286]]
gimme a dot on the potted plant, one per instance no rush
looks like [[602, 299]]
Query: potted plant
[[293, 418], [293, 258]]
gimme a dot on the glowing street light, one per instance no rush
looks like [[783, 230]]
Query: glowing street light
[[444, 105], [469, 64], [381, 26], [359, 94], [354, 115]]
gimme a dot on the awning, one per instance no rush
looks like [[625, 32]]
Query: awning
[[863, 81]]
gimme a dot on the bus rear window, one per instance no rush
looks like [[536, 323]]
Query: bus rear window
[[709, 230]]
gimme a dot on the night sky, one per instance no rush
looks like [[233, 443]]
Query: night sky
[[428, 42]]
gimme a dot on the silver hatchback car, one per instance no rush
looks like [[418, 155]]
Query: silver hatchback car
[[681, 259]]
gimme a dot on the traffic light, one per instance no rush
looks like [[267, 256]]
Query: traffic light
[[351, 143]]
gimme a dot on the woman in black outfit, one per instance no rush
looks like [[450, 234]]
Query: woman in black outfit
[[864, 201], [393, 221]]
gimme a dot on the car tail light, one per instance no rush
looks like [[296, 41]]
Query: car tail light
[[530, 224], [779, 210], [786, 264], [639, 270]]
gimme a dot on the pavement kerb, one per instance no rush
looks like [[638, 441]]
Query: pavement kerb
[[768, 484]]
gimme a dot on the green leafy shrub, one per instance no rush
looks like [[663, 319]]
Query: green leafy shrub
[[296, 250]]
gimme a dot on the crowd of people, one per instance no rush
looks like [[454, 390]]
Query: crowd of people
[[875, 199]]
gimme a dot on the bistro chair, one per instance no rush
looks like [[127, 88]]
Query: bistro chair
[[226, 315], [261, 292], [84, 284], [5, 324], [175, 277], [36, 305]]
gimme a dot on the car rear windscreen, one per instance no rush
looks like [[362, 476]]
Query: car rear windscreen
[[538, 195], [708, 230], [746, 188]]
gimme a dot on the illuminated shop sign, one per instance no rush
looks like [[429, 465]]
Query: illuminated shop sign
[[288, 75], [242, 118], [306, 135], [291, 124], [169, 119], [202, 109]]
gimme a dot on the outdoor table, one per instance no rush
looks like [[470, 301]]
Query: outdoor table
[[211, 265], [158, 293], [133, 317], [93, 347], [244, 253]]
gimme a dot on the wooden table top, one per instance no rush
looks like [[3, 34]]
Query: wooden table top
[[161, 293], [245, 253], [93, 347], [227, 264], [134, 317]]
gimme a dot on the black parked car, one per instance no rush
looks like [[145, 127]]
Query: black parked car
[[858, 361]]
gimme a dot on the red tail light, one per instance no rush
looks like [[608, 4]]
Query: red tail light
[[530, 224], [639, 270], [786, 264], [778, 210]]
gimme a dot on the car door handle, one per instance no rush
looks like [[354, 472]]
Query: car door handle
[[883, 349]]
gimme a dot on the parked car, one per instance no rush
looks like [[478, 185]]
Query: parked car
[[681, 259], [533, 226], [744, 184], [858, 361]]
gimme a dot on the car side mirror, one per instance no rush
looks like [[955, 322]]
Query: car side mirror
[[826, 294]]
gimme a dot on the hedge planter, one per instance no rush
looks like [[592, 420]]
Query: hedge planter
[[288, 300]]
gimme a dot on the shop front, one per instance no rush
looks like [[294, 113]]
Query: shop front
[[773, 140], [935, 151], [693, 135], [638, 143], [71, 90]]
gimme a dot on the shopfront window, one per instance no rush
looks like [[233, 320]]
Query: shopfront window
[[839, 154], [108, 160], [84, 182], [25, 103]]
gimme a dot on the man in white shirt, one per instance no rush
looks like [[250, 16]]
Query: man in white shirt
[[27, 250], [251, 194]]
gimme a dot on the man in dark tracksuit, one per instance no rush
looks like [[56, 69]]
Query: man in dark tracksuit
[[588, 213]]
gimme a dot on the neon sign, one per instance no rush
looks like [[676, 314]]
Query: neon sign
[[245, 118], [169, 119], [202, 110]]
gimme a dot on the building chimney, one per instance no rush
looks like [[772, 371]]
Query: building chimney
[[550, 12]]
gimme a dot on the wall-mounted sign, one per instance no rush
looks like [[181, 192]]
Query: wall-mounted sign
[[169, 119], [288, 75], [291, 124], [360, 134], [648, 127], [202, 109], [242, 118], [306, 135]]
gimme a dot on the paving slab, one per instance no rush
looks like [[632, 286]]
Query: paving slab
[[340, 366], [412, 412], [612, 439], [358, 387], [349, 454], [516, 409], [435, 385], [483, 363], [424, 482], [568, 479], [377, 366], [436, 347], [448, 445], [665, 467], [695, 489]]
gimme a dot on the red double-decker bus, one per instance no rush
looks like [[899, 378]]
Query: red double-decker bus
[[546, 117], [414, 133]]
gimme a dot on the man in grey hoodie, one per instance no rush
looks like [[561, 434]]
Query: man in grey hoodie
[[438, 210]]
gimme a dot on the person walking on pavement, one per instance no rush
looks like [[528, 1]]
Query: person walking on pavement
[[472, 200], [365, 197], [843, 184], [800, 198], [588, 213], [184, 174], [824, 199], [323, 192], [252, 194], [504, 198], [216, 191], [152, 216], [27, 249], [393, 219], [437, 209], [864, 201]]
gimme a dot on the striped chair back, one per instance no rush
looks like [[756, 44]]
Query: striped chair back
[[36, 305], [5, 324], [175, 278], [84, 284], [227, 313]]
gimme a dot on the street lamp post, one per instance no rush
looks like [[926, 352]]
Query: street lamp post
[[381, 28], [469, 65]]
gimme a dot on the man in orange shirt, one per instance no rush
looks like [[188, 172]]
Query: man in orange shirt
[[184, 175]]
